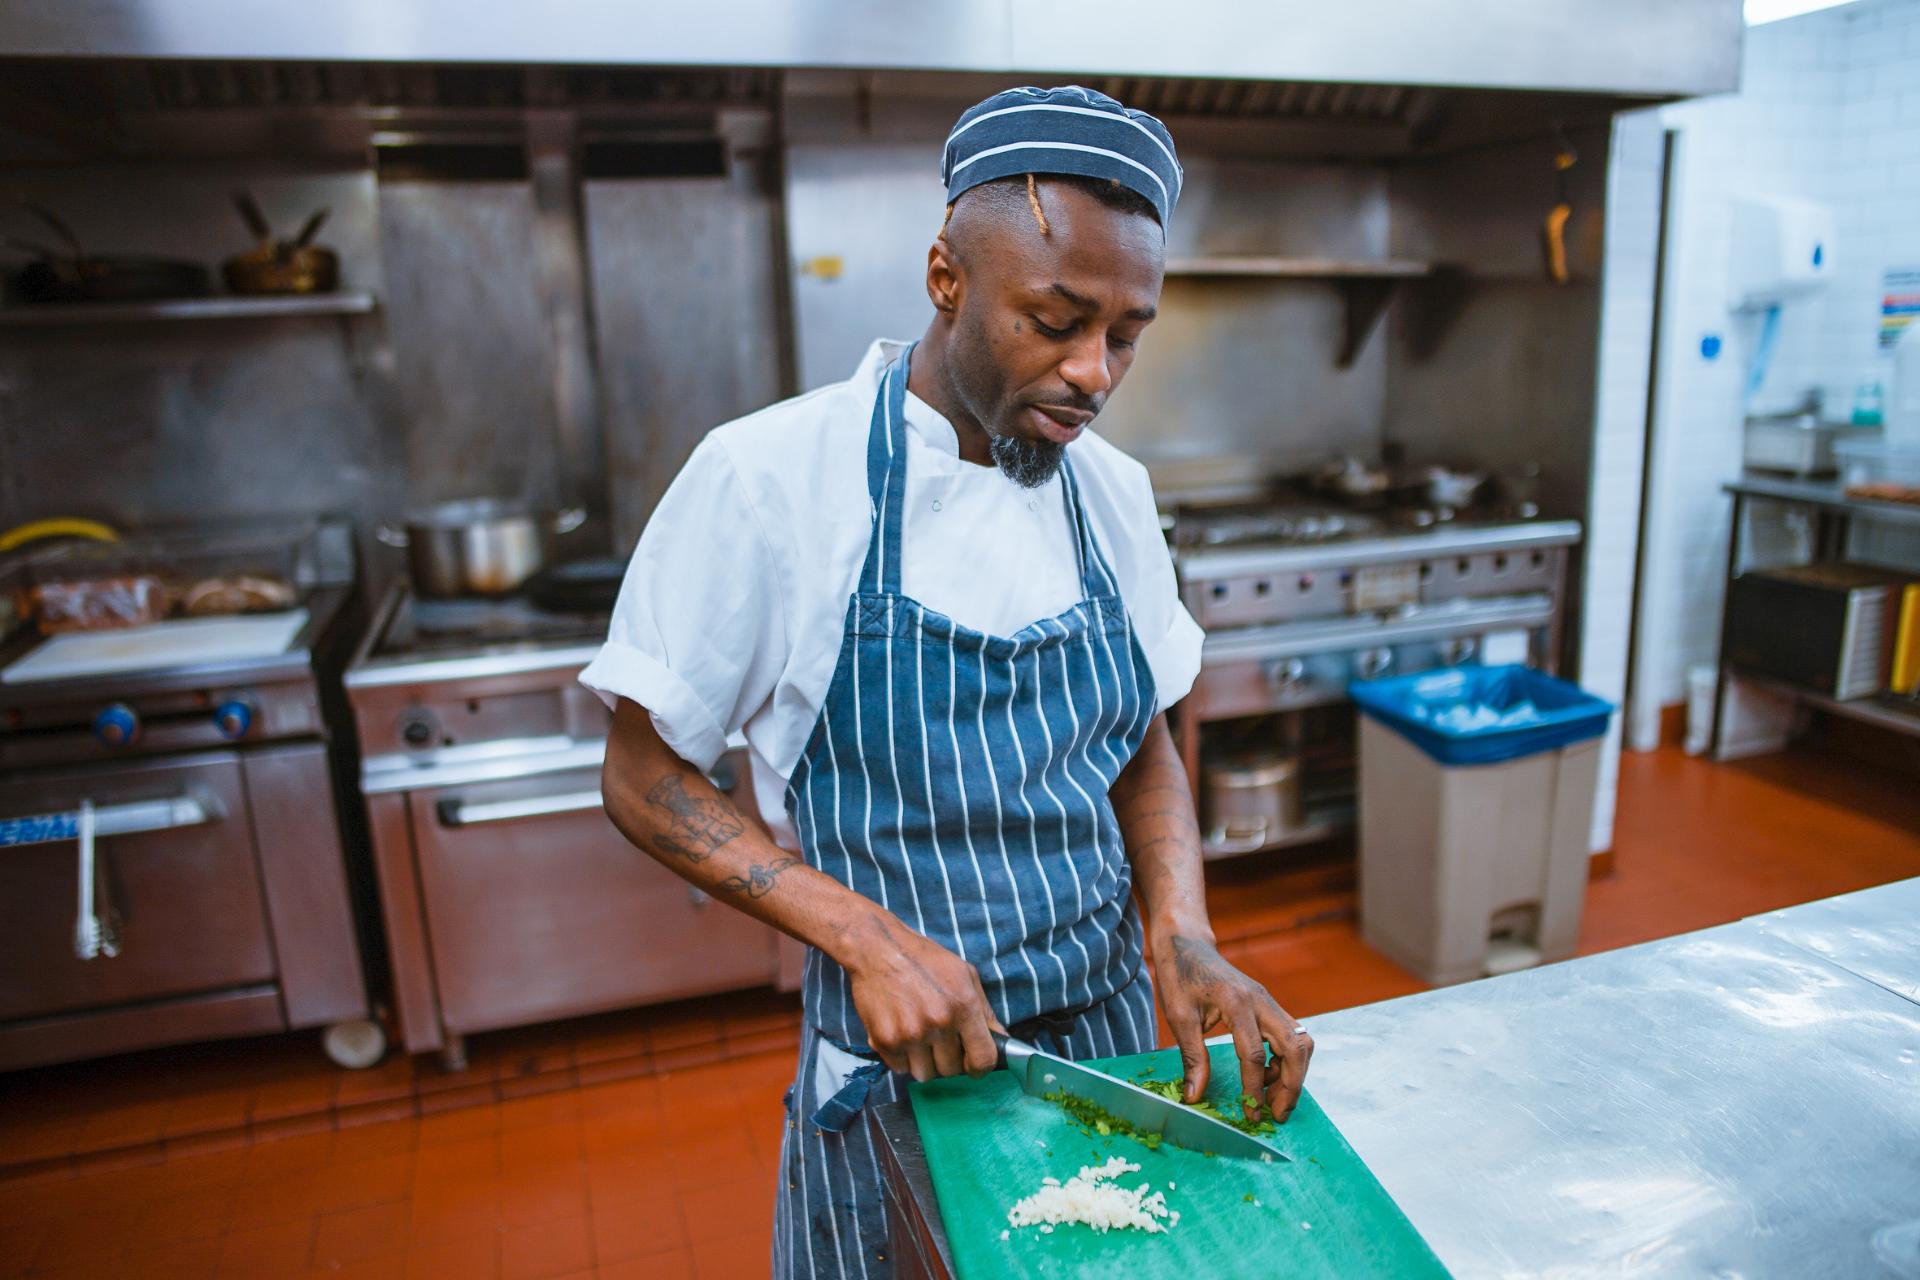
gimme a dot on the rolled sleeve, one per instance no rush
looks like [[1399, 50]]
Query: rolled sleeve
[[698, 633]]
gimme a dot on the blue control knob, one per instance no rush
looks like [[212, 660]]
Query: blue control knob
[[117, 725], [233, 718]]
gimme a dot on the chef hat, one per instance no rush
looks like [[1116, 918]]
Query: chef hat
[[1069, 130]]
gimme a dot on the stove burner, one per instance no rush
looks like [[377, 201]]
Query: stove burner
[[422, 626], [1269, 525]]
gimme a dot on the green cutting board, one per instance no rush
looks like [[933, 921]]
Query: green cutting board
[[1321, 1213]]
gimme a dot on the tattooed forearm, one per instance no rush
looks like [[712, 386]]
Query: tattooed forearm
[[695, 825], [758, 882]]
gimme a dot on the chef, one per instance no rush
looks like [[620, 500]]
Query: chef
[[940, 610]]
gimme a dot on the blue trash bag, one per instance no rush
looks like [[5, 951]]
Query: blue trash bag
[[1483, 715]]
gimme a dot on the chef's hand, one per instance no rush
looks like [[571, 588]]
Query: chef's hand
[[923, 1007], [1198, 991]]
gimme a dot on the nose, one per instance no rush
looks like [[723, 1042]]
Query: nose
[[1085, 368]]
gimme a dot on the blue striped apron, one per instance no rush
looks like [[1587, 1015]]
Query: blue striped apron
[[960, 780]]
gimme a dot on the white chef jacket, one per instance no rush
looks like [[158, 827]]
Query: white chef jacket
[[733, 608]]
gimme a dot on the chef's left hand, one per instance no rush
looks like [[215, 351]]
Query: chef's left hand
[[1198, 991]]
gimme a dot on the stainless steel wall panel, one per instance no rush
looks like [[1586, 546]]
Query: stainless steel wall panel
[[687, 318]]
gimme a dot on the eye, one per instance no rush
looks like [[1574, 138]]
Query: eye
[[1049, 331], [1119, 343]]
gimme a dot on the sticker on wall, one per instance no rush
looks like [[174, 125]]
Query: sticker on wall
[[1710, 347], [1899, 303]]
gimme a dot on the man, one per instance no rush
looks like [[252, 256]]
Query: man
[[943, 615]]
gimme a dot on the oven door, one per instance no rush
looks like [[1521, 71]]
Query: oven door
[[175, 850], [538, 908]]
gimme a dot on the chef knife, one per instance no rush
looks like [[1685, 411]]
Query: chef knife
[[1041, 1073]]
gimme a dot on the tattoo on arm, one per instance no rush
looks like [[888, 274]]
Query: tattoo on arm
[[1193, 963], [696, 825], [758, 882]]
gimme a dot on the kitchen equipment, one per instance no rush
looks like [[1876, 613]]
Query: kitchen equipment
[[1879, 472], [1249, 802], [986, 1146], [276, 266], [1829, 627], [1042, 1073], [507, 895], [479, 546], [578, 586], [204, 778], [1797, 443], [182, 641], [1297, 599], [77, 275], [1553, 230]]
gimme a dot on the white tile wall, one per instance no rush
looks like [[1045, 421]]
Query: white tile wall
[[1829, 110]]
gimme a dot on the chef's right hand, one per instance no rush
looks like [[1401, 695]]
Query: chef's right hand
[[924, 1009]]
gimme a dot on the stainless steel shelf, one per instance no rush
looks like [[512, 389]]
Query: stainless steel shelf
[[221, 308], [1299, 268], [1826, 495], [1866, 710], [1320, 822]]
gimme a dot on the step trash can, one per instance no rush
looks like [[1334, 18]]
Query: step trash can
[[1476, 804]]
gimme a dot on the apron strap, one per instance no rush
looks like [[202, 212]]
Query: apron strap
[[1096, 577], [887, 479]]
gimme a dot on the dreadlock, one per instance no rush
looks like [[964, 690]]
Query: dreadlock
[[1108, 191]]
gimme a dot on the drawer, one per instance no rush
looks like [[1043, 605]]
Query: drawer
[[188, 892], [537, 908]]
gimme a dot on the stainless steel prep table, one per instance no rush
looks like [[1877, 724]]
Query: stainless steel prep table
[[1874, 933], [1723, 1103]]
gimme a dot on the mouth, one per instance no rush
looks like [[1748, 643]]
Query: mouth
[[1058, 423]]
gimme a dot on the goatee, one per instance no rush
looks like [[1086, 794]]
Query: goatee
[[1028, 463]]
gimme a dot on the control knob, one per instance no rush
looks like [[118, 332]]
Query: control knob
[[1374, 663], [417, 728], [1287, 674], [233, 718], [117, 725], [1456, 651]]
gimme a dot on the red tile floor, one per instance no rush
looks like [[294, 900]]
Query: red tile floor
[[643, 1144]]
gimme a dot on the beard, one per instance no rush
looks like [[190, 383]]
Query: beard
[[1028, 463]]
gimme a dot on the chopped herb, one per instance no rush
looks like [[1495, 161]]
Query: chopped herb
[[1173, 1089], [1248, 1197]]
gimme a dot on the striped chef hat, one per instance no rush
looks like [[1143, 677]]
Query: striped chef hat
[[1069, 130]]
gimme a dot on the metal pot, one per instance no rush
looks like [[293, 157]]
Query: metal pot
[[1249, 802], [478, 546]]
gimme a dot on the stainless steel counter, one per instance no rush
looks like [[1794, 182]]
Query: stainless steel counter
[[1723, 1103]]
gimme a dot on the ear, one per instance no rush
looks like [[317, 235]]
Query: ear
[[946, 279]]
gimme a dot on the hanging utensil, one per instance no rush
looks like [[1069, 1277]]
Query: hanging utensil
[[1553, 231], [86, 928], [251, 215]]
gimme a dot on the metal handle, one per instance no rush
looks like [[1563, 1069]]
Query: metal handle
[[86, 926], [460, 813], [108, 820], [569, 519], [1223, 838]]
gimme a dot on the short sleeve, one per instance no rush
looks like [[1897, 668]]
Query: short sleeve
[[698, 635], [1168, 635]]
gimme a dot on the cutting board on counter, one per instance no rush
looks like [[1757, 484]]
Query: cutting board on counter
[[181, 642], [1322, 1213]]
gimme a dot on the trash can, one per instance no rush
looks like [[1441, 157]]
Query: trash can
[[1476, 803]]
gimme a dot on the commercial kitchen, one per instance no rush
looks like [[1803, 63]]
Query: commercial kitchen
[[1422, 784]]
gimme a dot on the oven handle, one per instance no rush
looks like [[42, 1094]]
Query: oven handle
[[108, 820], [465, 813]]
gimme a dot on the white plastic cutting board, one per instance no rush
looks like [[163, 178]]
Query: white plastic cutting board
[[183, 642]]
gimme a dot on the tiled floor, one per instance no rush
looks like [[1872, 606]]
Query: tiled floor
[[643, 1145]]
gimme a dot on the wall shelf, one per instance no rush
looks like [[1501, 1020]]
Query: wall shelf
[[1366, 284], [168, 309], [1299, 268]]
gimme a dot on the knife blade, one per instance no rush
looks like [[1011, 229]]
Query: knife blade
[[1042, 1073]]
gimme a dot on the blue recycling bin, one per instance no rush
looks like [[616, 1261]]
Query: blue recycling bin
[[1483, 715]]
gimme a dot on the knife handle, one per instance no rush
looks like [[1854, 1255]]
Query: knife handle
[[1010, 1054]]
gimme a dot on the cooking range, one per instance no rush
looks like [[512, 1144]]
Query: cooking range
[[174, 868], [1298, 597], [508, 896]]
